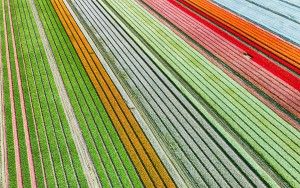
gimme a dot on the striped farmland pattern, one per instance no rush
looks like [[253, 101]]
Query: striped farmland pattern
[[251, 69], [279, 17], [149, 93], [282, 51]]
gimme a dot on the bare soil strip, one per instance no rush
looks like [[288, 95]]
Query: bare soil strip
[[12, 102], [85, 159], [22, 102]]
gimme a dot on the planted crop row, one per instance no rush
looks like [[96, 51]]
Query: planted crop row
[[55, 158], [15, 141], [7, 111], [274, 139], [109, 156]]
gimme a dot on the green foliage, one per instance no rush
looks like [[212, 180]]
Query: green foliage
[[52, 145]]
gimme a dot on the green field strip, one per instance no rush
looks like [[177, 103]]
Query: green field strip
[[7, 106], [10, 138], [8, 122], [17, 106], [32, 125], [56, 142], [21, 135], [108, 155], [39, 120], [2, 117], [234, 104], [32, 100], [35, 145], [29, 55]]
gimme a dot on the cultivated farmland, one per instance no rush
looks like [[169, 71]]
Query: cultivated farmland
[[141, 93]]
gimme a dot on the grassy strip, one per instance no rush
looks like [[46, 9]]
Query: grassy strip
[[174, 51], [29, 113], [38, 161], [85, 102], [37, 109], [8, 122], [29, 55], [10, 138], [21, 134], [62, 149], [20, 130], [34, 138]]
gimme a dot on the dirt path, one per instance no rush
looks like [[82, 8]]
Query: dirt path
[[85, 159], [22, 102]]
